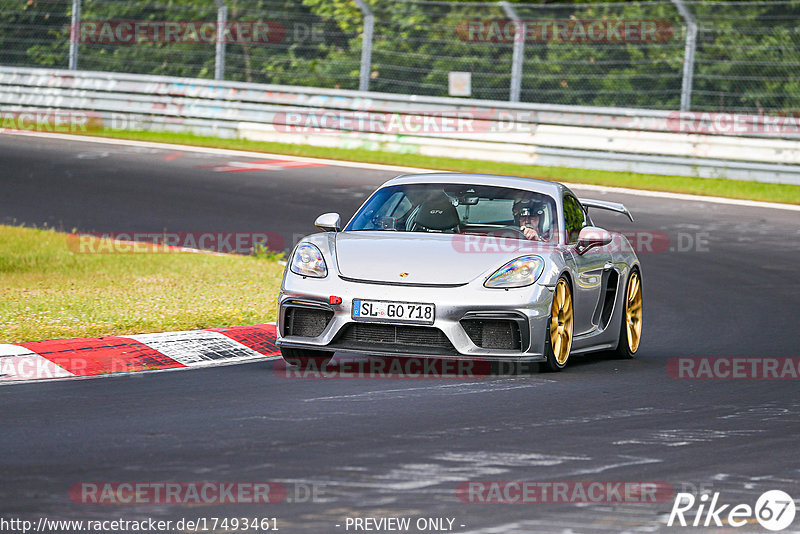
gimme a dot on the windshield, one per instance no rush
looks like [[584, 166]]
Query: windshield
[[459, 209]]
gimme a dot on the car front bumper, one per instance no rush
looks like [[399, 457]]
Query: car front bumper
[[527, 307]]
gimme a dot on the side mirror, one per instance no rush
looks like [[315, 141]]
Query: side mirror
[[328, 222], [592, 236]]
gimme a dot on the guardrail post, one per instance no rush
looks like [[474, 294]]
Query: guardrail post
[[688, 54], [518, 53], [222, 21], [366, 45], [74, 34]]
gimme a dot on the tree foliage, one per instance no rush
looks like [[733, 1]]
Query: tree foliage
[[748, 53]]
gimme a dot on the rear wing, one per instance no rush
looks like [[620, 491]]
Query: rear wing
[[604, 205]]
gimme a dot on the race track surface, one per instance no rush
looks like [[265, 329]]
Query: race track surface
[[380, 448]]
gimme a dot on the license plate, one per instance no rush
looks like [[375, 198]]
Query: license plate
[[403, 312]]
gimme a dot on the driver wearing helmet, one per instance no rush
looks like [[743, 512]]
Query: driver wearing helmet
[[529, 214]]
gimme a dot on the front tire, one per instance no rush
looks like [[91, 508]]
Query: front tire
[[559, 329], [305, 358], [630, 333]]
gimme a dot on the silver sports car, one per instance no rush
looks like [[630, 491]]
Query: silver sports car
[[473, 266]]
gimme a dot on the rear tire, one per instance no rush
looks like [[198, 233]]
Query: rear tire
[[305, 358], [558, 342], [630, 333]]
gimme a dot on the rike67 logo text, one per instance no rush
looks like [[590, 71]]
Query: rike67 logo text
[[774, 510]]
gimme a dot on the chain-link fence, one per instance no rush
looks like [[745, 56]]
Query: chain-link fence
[[663, 54]]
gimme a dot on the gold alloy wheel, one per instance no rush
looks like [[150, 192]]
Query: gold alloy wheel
[[561, 323], [633, 311]]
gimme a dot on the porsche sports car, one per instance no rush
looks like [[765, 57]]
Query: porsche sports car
[[451, 265]]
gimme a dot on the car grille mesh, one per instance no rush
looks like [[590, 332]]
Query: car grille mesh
[[305, 322], [395, 338], [497, 334]]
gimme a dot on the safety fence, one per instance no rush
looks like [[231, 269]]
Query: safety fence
[[726, 145], [656, 54]]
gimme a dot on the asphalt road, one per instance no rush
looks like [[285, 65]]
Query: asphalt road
[[379, 448]]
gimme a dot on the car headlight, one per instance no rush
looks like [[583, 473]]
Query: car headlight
[[521, 272], [308, 261]]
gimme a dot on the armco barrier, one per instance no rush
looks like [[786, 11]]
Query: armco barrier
[[620, 139]]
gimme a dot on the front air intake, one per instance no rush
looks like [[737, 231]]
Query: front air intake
[[498, 334], [305, 322]]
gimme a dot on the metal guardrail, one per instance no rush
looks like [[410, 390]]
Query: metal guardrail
[[618, 139]]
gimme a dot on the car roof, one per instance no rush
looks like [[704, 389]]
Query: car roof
[[554, 189]]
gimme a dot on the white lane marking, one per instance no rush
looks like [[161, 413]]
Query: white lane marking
[[398, 168], [507, 459], [261, 165], [592, 418], [198, 347], [766, 412], [680, 438], [460, 388], [417, 476], [93, 155], [18, 363], [221, 151], [626, 462]]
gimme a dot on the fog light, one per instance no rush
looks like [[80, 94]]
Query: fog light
[[335, 301]]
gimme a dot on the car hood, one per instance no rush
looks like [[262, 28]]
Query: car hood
[[422, 258]]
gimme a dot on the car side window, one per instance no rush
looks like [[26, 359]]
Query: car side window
[[574, 218]]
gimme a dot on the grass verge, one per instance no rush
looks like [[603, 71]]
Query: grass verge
[[789, 194], [49, 292]]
